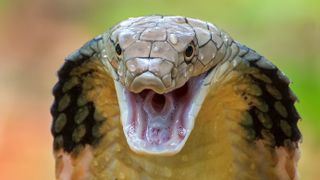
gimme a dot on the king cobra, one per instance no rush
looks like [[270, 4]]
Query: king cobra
[[170, 97]]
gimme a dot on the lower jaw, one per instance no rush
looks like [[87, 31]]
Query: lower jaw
[[160, 124], [158, 127]]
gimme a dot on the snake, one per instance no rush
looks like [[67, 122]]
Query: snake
[[172, 97]]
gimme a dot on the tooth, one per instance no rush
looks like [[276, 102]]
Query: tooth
[[182, 131]]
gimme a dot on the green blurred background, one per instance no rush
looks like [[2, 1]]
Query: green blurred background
[[35, 36]]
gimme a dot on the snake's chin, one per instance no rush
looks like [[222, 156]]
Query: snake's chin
[[160, 124]]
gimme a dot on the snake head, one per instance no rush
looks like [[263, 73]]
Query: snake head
[[161, 66]]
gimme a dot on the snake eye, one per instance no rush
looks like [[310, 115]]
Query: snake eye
[[189, 52], [118, 50]]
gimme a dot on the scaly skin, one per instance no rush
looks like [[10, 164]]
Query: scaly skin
[[246, 127]]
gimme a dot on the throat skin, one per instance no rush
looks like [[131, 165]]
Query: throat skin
[[216, 148]]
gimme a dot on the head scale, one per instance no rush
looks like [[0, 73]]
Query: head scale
[[162, 53]]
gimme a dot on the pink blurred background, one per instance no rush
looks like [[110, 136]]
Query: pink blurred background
[[33, 43]]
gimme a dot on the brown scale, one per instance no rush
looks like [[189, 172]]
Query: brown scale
[[74, 117], [279, 120]]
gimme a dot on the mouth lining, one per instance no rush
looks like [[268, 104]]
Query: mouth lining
[[157, 117], [161, 123], [158, 101]]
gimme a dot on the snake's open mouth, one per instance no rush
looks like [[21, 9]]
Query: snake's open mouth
[[161, 123]]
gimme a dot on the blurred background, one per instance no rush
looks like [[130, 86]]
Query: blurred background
[[36, 35]]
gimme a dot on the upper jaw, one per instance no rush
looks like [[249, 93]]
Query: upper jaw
[[163, 128], [147, 80]]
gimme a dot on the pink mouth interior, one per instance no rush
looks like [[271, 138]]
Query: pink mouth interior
[[161, 119]]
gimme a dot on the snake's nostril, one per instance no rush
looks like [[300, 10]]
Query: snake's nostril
[[137, 65], [132, 67]]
